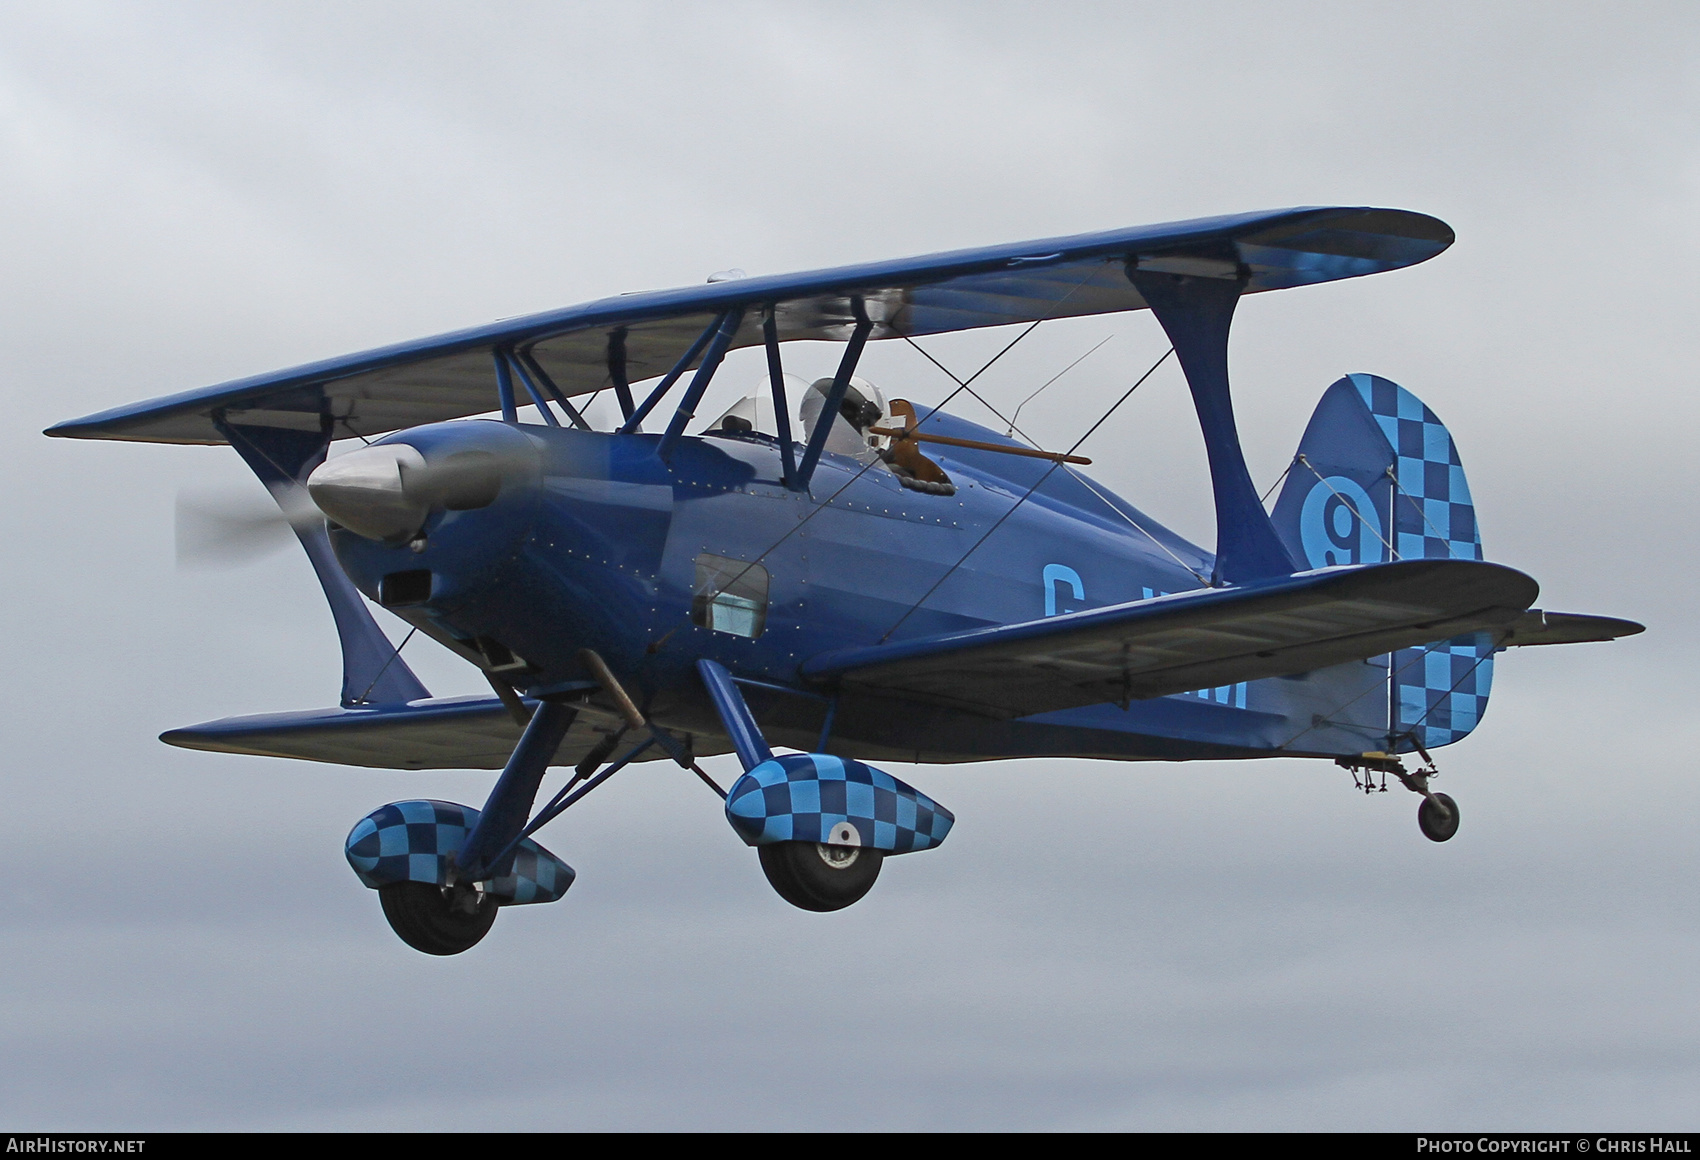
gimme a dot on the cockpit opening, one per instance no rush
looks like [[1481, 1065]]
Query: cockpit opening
[[863, 413]]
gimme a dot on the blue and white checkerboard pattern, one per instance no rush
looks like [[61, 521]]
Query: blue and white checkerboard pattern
[[412, 841], [805, 797], [1441, 690], [536, 876], [1434, 517]]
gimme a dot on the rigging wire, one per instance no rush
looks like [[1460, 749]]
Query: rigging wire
[[1421, 652], [998, 523], [1447, 540], [1392, 678], [962, 385], [1079, 476], [1435, 703], [1264, 498], [1327, 719], [1392, 552], [826, 503], [1093, 488], [394, 656]]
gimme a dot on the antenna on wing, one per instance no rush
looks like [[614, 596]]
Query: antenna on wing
[[1016, 414]]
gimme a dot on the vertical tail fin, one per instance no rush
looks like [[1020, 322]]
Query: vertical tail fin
[[1377, 478]]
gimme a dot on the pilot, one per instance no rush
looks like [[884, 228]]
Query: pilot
[[862, 408], [863, 411]]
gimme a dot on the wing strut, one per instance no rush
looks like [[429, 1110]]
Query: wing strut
[[505, 388], [529, 365], [637, 417], [723, 335], [617, 371], [835, 395], [1196, 311], [781, 411], [373, 672], [747, 739], [530, 387]]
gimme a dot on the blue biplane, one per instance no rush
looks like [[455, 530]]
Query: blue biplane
[[863, 580]]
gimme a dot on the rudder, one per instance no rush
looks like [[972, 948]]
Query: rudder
[[1377, 477]]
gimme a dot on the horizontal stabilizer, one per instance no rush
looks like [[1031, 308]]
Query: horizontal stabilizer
[[1538, 626], [443, 733], [1193, 640]]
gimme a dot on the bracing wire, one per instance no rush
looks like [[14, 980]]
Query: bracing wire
[[1435, 703], [1412, 500], [827, 502], [1133, 523], [1392, 552], [962, 385], [393, 657], [1078, 476], [1392, 677], [999, 522], [1264, 498]]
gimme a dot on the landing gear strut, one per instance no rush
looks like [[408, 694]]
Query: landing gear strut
[[822, 825], [1437, 814]]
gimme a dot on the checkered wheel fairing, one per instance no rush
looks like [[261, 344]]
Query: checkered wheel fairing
[[412, 841], [815, 797]]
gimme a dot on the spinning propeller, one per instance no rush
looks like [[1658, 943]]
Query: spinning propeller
[[228, 527], [382, 492]]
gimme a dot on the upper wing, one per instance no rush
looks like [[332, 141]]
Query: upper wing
[[1195, 640], [451, 375]]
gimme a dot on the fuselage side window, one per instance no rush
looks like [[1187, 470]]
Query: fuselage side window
[[730, 596]]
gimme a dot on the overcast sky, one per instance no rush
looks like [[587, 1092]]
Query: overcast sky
[[195, 192]]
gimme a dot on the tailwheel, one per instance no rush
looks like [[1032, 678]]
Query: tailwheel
[[1437, 817], [435, 919], [1437, 814], [819, 877]]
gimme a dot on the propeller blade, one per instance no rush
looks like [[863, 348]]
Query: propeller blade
[[225, 528]]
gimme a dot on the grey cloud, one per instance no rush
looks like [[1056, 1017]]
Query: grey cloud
[[195, 192]]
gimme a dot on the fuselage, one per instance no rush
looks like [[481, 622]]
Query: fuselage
[[600, 544]]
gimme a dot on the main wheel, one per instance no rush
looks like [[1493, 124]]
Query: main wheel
[[1429, 820], [434, 920], [815, 876]]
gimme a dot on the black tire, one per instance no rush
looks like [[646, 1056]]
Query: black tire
[[1429, 820], [424, 917], [815, 876]]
